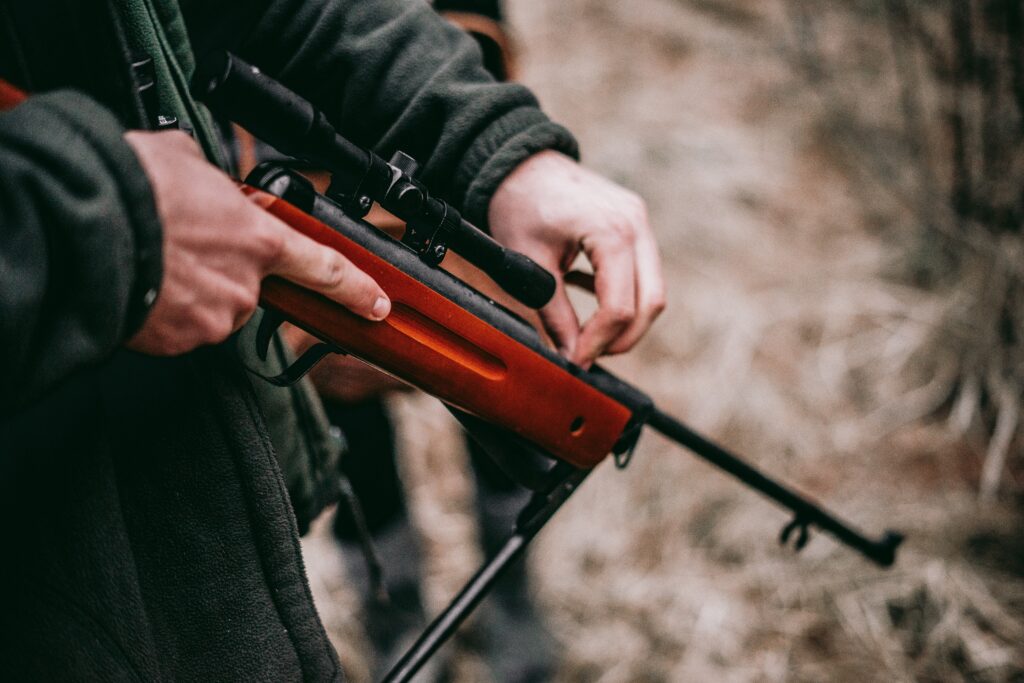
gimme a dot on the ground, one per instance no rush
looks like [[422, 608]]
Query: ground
[[782, 336]]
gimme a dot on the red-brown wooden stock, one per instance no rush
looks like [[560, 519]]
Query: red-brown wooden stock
[[435, 345]]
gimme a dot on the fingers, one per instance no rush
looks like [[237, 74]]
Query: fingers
[[548, 208], [628, 283], [558, 317], [650, 293], [560, 322], [615, 285], [312, 265]]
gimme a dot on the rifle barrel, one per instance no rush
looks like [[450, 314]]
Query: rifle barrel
[[882, 551]]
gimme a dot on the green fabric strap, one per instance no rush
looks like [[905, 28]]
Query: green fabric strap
[[157, 30], [305, 447]]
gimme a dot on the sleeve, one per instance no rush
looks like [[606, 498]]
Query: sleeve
[[393, 75], [79, 242]]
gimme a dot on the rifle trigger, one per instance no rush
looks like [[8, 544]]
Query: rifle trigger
[[803, 533], [269, 324]]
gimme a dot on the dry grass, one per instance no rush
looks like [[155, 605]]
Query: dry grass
[[782, 216]]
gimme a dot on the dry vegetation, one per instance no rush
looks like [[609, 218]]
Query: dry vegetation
[[838, 311]]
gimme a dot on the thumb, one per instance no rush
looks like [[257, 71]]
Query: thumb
[[560, 322]]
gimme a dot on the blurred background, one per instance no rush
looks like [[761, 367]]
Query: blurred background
[[838, 192]]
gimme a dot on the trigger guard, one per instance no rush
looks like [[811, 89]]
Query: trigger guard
[[297, 370], [270, 323]]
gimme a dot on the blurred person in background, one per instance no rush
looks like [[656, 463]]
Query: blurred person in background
[[148, 527]]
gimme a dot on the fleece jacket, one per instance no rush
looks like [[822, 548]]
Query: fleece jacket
[[148, 534]]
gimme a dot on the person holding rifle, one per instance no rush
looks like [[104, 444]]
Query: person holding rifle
[[148, 532]]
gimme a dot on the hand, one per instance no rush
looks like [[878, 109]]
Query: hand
[[217, 248], [551, 208]]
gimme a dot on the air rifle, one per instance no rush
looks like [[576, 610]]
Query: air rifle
[[525, 403], [545, 421]]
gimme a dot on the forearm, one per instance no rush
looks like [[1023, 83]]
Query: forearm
[[393, 75], [79, 242]]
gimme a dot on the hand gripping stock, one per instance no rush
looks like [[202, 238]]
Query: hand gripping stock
[[486, 363], [449, 340]]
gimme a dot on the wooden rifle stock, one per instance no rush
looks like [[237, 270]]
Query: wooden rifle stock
[[443, 343], [436, 345]]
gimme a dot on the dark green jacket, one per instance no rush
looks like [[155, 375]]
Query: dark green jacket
[[146, 529]]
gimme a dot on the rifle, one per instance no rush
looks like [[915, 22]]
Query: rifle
[[524, 403], [545, 421]]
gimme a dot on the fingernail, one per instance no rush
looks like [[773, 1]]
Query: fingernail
[[381, 308]]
